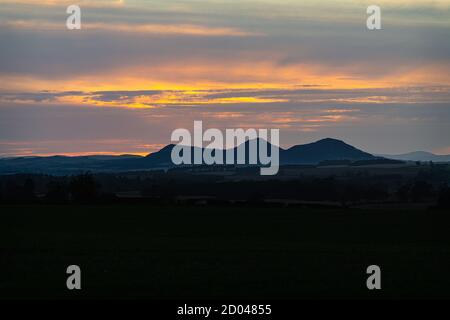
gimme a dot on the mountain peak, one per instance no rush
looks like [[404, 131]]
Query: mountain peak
[[324, 149], [330, 140]]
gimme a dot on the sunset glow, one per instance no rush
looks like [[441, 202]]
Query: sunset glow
[[312, 70]]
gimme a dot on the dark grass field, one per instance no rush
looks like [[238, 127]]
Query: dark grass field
[[217, 252]]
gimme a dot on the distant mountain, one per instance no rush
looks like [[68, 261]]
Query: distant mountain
[[419, 156], [62, 165], [163, 157], [312, 153], [322, 150]]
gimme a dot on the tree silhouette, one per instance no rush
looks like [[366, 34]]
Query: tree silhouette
[[444, 197], [28, 192], [83, 188], [57, 192], [421, 190]]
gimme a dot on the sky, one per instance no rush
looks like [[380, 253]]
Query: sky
[[137, 70]]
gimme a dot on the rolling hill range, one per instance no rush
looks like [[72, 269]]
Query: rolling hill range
[[419, 156], [312, 153]]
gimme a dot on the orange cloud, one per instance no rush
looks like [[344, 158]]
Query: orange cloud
[[84, 3], [158, 29]]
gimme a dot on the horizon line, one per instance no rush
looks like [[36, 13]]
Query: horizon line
[[144, 154]]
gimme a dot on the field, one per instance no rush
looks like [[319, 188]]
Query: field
[[178, 252]]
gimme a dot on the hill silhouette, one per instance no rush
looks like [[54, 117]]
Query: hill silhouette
[[419, 156], [311, 153], [322, 150]]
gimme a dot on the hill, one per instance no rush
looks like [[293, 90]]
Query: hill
[[322, 150], [419, 156], [312, 153]]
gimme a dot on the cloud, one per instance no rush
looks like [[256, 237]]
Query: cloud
[[269, 96], [137, 70], [83, 3], [154, 29], [77, 147], [381, 128]]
